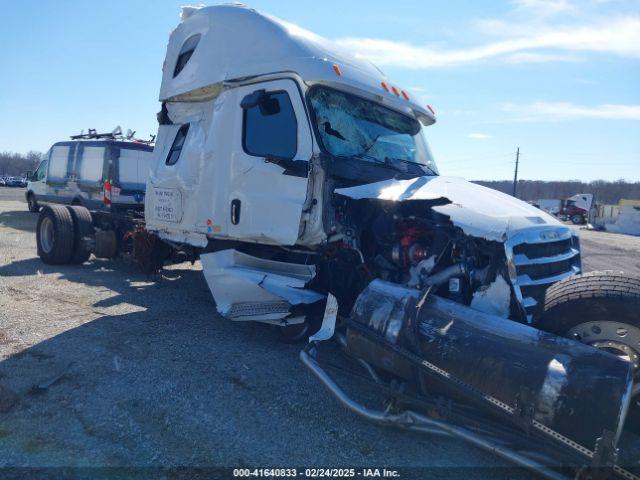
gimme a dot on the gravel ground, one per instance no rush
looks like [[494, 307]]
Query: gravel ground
[[101, 367]]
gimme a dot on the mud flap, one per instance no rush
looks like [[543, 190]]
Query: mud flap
[[250, 288]]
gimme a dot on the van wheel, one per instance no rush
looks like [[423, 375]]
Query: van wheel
[[577, 219], [32, 204], [82, 227], [54, 235], [601, 310]]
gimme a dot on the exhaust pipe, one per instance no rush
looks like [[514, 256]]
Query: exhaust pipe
[[419, 423]]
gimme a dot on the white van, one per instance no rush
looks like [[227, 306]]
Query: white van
[[97, 174]]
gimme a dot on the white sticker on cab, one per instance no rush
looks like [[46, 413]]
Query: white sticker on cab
[[167, 205]]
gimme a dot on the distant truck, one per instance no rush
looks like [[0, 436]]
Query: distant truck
[[549, 205], [577, 208], [94, 170]]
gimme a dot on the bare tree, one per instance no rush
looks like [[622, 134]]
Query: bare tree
[[15, 164]]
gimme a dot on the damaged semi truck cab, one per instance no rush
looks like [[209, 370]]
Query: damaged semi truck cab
[[301, 177], [276, 152]]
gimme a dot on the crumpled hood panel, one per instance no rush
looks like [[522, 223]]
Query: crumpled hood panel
[[479, 211]]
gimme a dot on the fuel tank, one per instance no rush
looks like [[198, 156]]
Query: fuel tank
[[536, 380]]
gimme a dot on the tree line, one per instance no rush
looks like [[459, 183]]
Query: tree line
[[17, 164], [603, 191]]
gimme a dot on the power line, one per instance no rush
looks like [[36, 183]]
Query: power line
[[515, 176]]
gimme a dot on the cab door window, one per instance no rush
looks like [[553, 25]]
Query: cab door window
[[42, 170], [270, 128], [59, 163]]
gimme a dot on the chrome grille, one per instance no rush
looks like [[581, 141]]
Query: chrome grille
[[537, 259]]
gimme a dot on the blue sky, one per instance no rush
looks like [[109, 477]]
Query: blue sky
[[558, 78]]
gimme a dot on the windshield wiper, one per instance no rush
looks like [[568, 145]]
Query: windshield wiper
[[404, 160]]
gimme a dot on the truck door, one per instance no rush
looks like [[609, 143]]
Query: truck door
[[59, 171], [269, 163]]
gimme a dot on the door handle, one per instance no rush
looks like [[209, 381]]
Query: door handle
[[235, 211]]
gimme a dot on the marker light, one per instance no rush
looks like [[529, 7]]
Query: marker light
[[431, 109], [336, 69], [405, 95], [395, 90], [384, 85]]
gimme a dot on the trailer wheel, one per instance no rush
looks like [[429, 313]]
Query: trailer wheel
[[54, 235], [82, 227], [577, 219], [32, 204], [600, 309]]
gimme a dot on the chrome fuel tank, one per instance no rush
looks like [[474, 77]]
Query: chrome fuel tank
[[569, 391]]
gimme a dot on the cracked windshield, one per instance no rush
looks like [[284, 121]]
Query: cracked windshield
[[350, 126]]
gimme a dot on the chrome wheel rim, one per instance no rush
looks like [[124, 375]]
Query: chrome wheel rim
[[46, 235], [618, 338]]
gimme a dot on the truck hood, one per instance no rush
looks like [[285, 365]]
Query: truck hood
[[479, 211]]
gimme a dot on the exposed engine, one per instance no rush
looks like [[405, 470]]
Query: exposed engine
[[411, 245]]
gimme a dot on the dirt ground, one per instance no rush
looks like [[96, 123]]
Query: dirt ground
[[102, 367]]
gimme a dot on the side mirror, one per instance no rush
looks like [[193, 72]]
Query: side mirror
[[31, 176], [253, 99], [259, 98]]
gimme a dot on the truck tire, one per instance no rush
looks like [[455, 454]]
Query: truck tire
[[577, 219], [54, 235], [600, 309], [32, 204], [82, 227]]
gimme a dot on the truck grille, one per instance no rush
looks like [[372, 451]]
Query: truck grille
[[538, 259]]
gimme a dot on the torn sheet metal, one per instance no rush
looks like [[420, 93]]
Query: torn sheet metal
[[251, 288], [328, 321], [480, 211], [493, 298]]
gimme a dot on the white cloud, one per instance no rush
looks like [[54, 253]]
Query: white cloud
[[561, 111], [619, 37], [534, 57], [478, 136], [545, 7]]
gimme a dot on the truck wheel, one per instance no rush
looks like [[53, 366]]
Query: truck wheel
[[600, 309], [54, 235], [82, 227], [32, 204], [577, 219]]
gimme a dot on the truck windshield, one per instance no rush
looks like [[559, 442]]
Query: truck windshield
[[351, 126]]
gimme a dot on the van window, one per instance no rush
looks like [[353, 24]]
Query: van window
[[42, 170], [176, 146], [186, 51], [273, 130], [133, 167], [91, 164], [58, 162]]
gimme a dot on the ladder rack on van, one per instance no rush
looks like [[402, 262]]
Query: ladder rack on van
[[93, 134]]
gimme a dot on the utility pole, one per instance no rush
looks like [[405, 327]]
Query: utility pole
[[515, 177]]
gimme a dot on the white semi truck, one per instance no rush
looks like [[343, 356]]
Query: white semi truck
[[300, 176]]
